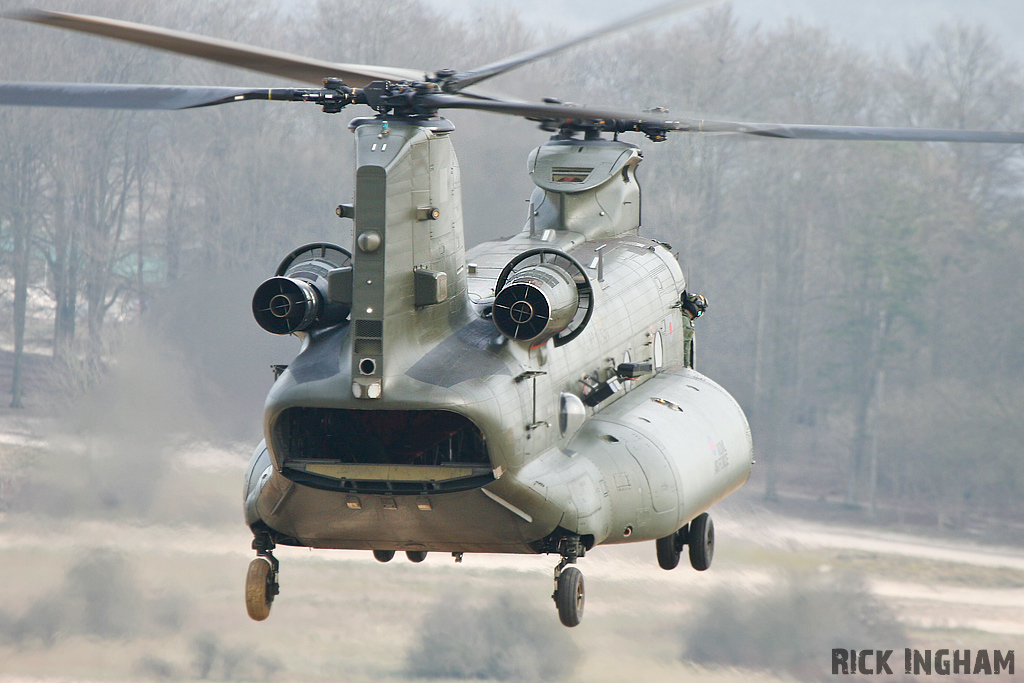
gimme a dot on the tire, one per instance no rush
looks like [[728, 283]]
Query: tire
[[258, 593], [569, 597], [383, 555], [668, 552], [702, 542], [416, 555]]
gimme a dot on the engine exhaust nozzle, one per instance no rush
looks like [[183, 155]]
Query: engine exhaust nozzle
[[296, 298], [537, 303], [282, 305]]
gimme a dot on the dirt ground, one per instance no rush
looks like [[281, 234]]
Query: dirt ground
[[344, 616], [167, 601]]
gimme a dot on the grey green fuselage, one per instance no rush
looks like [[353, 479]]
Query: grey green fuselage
[[417, 425]]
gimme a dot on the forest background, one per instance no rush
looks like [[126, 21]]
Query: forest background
[[864, 297]]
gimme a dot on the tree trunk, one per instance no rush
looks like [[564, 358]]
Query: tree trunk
[[172, 237], [864, 423], [63, 267], [21, 226], [21, 249]]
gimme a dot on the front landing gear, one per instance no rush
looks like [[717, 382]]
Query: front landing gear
[[569, 595], [261, 580]]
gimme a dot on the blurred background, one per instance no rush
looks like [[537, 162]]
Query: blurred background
[[864, 309]]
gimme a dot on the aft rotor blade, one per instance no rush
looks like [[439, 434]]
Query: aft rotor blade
[[301, 69], [867, 133], [617, 120], [541, 111], [112, 96], [465, 79]]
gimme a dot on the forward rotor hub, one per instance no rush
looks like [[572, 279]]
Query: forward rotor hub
[[400, 99]]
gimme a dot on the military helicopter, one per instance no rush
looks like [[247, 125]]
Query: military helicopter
[[531, 395]]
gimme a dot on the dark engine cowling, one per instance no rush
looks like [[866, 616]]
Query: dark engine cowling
[[295, 299]]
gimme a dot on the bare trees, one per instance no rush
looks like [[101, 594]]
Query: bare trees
[[871, 263], [861, 294], [21, 157], [96, 203], [851, 285]]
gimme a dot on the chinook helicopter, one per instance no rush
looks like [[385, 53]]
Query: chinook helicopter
[[530, 395]]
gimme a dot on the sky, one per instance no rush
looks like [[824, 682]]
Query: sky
[[877, 24]]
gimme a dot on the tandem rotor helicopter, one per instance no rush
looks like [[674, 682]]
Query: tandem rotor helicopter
[[531, 395]]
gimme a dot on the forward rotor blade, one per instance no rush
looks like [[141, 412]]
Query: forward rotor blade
[[464, 79], [266, 61], [111, 96], [622, 121]]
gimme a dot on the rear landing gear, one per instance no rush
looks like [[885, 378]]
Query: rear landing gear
[[261, 580], [701, 541], [569, 594], [383, 555], [698, 534], [671, 547]]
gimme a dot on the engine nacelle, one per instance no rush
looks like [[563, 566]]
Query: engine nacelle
[[536, 304], [542, 293], [295, 299]]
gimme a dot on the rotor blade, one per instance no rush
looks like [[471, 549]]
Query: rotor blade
[[622, 121], [867, 133], [541, 111], [267, 61], [464, 79], [111, 96]]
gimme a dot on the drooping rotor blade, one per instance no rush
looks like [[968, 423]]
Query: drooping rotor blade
[[609, 119], [301, 69], [111, 96], [465, 79]]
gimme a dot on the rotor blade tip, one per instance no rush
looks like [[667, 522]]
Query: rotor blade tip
[[27, 14]]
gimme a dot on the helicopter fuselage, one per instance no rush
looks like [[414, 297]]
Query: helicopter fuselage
[[418, 425]]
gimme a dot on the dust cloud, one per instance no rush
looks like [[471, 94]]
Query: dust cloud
[[786, 626], [99, 596], [506, 638]]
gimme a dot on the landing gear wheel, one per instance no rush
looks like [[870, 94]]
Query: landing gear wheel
[[416, 555], [383, 555], [569, 596], [701, 541], [670, 548], [260, 589]]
